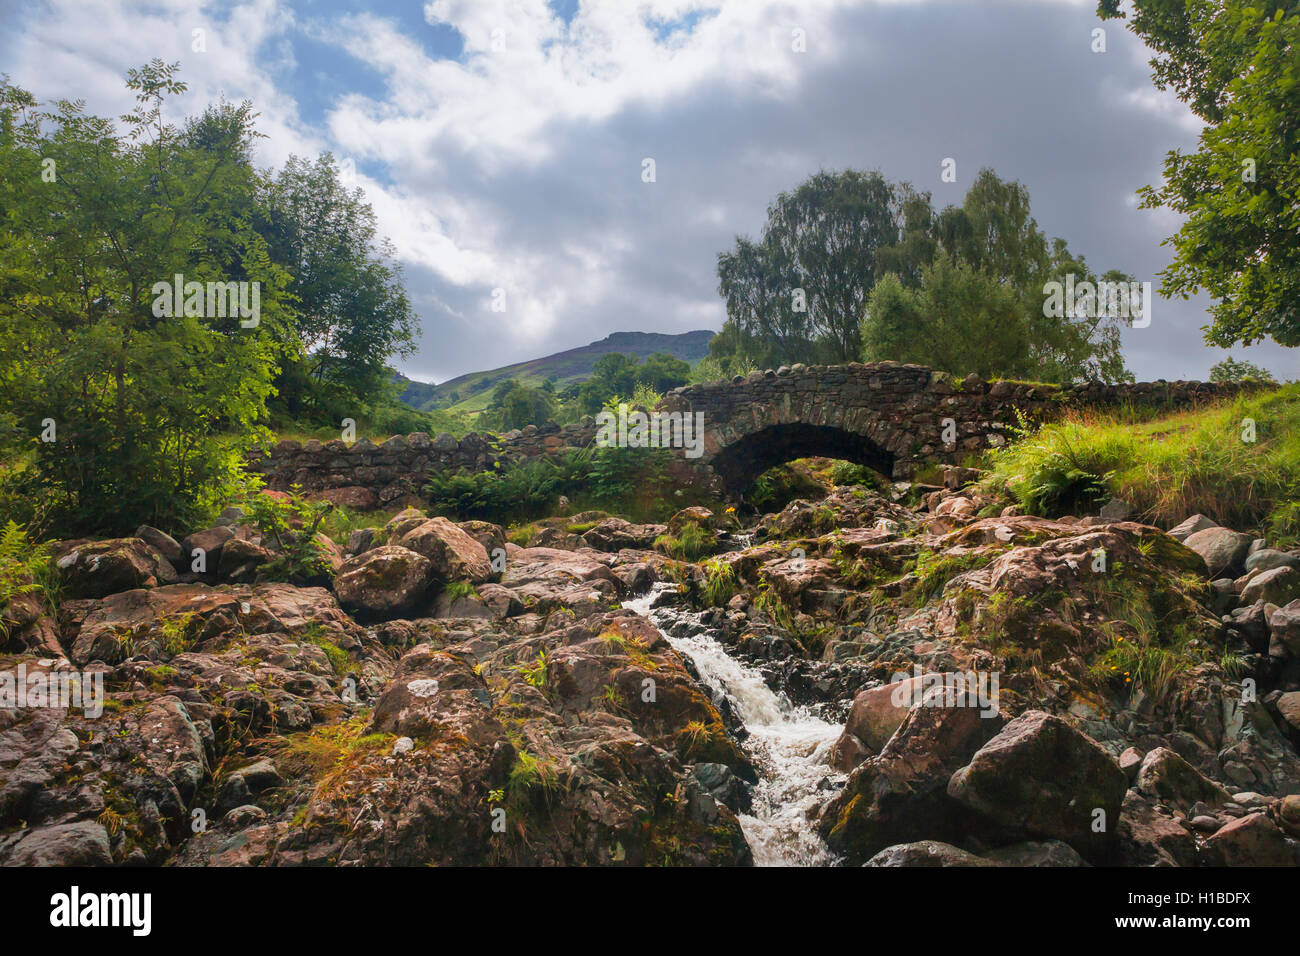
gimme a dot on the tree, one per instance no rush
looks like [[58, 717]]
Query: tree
[[131, 407], [523, 406], [1236, 65], [961, 320], [828, 244], [1231, 370], [798, 294], [662, 372], [618, 375], [993, 233], [353, 315]]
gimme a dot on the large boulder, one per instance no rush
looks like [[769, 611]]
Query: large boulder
[[876, 713], [549, 578], [1147, 836], [1032, 853], [1252, 840], [1222, 548], [1191, 526], [240, 560], [400, 523], [453, 555], [67, 844], [385, 582], [202, 549], [1279, 586], [900, 795], [1042, 778], [1284, 626], [615, 534], [1266, 559], [97, 569], [1167, 778], [490, 535], [163, 543], [1288, 708]]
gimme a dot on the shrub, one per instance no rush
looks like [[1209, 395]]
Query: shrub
[[289, 524]]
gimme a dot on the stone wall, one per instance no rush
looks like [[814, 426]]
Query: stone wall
[[365, 475], [892, 417]]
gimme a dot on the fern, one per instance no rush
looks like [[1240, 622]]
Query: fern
[[23, 567]]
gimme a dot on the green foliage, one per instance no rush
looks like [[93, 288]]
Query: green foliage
[[720, 367], [352, 312], [847, 473], [1065, 478], [177, 633], [23, 568], [771, 604], [455, 590], [1140, 656], [534, 674], [719, 582], [523, 491], [778, 486], [850, 265], [137, 398], [934, 570], [289, 525], [626, 480], [1231, 370], [287, 296], [1171, 467], [1234, 63], [619, 374], [690, 544]]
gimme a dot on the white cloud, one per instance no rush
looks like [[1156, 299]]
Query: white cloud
[[520, 168]]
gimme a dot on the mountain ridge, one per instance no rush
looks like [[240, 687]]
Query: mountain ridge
[[471, 391]]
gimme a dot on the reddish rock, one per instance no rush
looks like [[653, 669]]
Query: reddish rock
[[453, 555]]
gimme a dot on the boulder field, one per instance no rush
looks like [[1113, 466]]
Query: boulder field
[[1012, 691]]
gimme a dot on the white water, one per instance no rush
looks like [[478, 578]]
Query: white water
[[789, 745]]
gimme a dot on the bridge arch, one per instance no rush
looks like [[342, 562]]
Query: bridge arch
[[739, 463]]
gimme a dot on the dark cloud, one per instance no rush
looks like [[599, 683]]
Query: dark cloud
[[1009, 85]]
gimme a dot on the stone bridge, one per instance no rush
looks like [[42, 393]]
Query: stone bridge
[[892, 418]]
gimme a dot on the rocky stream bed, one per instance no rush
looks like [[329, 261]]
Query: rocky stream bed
[[599, 702]]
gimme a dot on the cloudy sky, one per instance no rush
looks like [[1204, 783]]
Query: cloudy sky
[[501, 142]]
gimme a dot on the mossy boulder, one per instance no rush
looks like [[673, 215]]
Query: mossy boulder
[[384, 582]]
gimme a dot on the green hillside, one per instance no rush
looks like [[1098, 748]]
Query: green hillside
[[472, 392]]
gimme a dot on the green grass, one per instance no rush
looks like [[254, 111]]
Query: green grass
[[691, 544], [1168, 468], [719, 583]]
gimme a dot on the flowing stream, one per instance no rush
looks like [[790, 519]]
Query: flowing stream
[[788, 744]]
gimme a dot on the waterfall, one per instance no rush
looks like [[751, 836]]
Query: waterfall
[[788, 744]]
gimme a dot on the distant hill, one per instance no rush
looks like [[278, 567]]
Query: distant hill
[[472, 392]]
